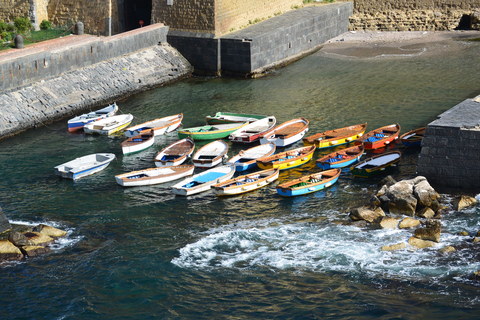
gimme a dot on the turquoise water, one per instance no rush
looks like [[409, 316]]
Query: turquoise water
[[142, 253]]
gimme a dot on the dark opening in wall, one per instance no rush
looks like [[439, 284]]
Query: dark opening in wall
[[138, 13], [465, 23]]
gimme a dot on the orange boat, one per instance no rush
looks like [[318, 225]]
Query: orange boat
[[380, 137]]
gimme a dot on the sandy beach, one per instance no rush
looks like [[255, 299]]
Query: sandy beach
[[376, 44]]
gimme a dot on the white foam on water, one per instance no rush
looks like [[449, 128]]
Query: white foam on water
[[328, 248]]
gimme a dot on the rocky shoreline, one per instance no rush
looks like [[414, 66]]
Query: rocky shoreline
[[18, 242]]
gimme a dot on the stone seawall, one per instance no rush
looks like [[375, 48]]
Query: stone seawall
[[89, 87], [450, 153]]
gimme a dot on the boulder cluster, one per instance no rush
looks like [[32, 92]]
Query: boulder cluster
[[19, 242], [408, 204]]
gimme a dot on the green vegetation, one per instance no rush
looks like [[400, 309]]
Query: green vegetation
[[24, 27]]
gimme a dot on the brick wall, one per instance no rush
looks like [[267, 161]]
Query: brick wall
[[409, 15], [11, 9]]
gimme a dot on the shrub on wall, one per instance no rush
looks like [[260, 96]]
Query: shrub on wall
[[45, 25], [23, 25]]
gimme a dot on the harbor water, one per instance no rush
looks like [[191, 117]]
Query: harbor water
[[144, 253]]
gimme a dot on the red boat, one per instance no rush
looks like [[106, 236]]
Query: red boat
[[380, 137]]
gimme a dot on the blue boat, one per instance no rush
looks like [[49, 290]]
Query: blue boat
[[342, 158], [84, 166], [308, 184]]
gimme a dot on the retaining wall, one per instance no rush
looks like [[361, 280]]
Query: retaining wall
[[450, 153], [51, 58]]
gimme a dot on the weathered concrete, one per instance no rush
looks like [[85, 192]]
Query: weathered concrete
[[89, 87], [264, 45], [450, 153]]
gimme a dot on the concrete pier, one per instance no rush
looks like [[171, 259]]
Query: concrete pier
[[450, 155]]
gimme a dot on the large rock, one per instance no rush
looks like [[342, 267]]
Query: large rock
[[430, 232], [464, 202], [49, 231], [367, 214], [29, 239], [8, 251], [424, 193], [426, 213], [447, 249], [4, 224], [401, 198], [419, 243], [409, 223], [32, 251], [388, 223], [393, 247]]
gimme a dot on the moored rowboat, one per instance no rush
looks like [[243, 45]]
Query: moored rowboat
[[246, 183], [210, 154], [341, 158], [203, 181], [138, 143], [230, 117], [246, 159], [310, 183], [175, 153], [159, 126], [286, 133], [253, 131], [380, 137], [375, 165], [109, 125], [153, 175], [336, 137], [287, 159], [210, 132], [413, 138], [79, 122], [84, 166]]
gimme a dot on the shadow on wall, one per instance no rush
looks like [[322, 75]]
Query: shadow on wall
[[138, 13], [465, 23]]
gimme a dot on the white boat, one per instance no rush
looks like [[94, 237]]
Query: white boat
[[210, 154], [159, 126], [153, 175], [84, 166], [286, 133], [203, 181], [175, 154], [253, 131], [79, 122], [246, 183], [138, 143], [109, 125], [246, 159]]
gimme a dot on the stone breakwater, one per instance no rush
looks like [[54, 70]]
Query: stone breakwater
[[71, 92]]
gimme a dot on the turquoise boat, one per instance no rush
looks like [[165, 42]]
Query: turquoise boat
[[230, 117], [210, 132], [308, 184]]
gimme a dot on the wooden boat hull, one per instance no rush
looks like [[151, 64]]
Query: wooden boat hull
[[230, 117], [413, 138], [287, 160], [175, 154], [365, 170], [341, 159], [153, 176], [84, 166], [210, 154], [293, 131], [203, 181], [104, 127], [344, 135], [247, 159], [298, 187], [371, 141], [138, 143], [245, 183], [252, 132], [77, 123], [209, 132], [159, 126]]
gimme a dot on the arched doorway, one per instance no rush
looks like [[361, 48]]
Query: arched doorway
[[136, 11]]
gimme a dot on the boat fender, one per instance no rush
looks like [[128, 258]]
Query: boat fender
[[304, 159], [360, 134], [349, 139], [387, 142], [334, 142]]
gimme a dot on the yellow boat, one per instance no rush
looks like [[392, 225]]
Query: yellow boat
[[287, 159], [336, 137]]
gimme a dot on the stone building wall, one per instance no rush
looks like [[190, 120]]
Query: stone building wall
[[11, 9], [410, 15]]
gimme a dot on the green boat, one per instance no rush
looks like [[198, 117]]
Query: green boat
[[230, 117], [210, 132]]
